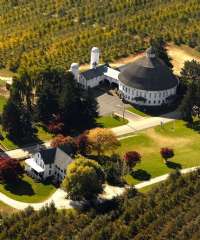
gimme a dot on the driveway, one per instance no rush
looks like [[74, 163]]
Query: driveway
[[108, 103], [60, 201], [145, 123]]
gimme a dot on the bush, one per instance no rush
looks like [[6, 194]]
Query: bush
[[166, 153], [10, 170], [132, 158]]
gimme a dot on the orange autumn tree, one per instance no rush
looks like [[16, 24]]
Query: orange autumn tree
[[60, 140], [102, 140]]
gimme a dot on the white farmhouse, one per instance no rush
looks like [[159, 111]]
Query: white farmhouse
[[146, 82], [47, 163]]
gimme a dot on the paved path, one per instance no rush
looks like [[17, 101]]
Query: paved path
[[138, 124], [144, 123], [129, 115], [60, 201]]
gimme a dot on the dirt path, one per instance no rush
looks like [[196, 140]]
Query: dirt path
[[181, 54]]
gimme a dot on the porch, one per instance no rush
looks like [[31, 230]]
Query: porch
[[34, 170]]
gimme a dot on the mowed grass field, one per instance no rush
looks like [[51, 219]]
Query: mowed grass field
[[110, 122], [42, 135], [184, 140], [28, 190]]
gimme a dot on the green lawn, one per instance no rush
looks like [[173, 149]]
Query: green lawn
[[183, 140], [137, 111], [28, 190], [110, 122], [42, 135], [3, 101]]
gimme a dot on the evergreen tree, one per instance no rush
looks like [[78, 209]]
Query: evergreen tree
[[190, 75], [89, 111], [11, 119], [161, 51], [16, 120], [70, 104], [50, 82]]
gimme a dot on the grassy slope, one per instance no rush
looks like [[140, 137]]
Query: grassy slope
[[27, 190], [42, 135], [183, 140], [137, 111], [110, 122], [3, 101]]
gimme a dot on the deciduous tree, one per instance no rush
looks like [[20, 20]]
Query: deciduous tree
[[10, 169], [131, 159], [102, 139], [82, 143], [84, 179], [166, 153]]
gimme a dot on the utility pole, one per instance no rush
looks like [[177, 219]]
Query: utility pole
[[123, 107]]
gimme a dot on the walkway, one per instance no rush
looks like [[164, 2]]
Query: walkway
[[60, 201], [139, 124], [144, 123]]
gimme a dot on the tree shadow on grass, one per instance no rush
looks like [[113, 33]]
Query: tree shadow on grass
[[173, 165], [20, 187], [195, 125], [141, 175]]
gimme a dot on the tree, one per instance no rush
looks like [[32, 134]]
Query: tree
[[82, 143], [56, 125], [190, 76], [65, 141], [10, 169], [17, 121], [187, 105], [190, 73], [84, 179], [50, 83], [166, 153], [102, 139], [131, 159], [159, 45], [89, 113]]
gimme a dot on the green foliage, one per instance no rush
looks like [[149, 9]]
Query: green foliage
[[169, 211], [159, 46], [59, 94], [16, 120], [190, 75], [61, 32], [53, 97], [84, 179]]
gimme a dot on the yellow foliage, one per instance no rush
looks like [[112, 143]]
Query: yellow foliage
[[102, 139]]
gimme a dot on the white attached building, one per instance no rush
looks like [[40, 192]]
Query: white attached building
[[147, 81], [47, 163]]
